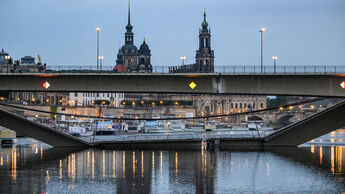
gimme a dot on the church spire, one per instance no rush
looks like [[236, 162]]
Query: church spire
[[129, 12], [204, 24], [129, 27]]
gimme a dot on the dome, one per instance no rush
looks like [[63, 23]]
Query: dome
[[204, 24], [144, 47], [129, 28], [129, 49], [2, 52]]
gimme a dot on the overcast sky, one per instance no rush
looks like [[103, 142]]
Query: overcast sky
[[63, 32]]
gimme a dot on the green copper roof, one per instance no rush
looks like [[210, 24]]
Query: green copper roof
[[204, 24]]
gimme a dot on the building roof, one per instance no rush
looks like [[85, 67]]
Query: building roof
[[3, 52], [144, 47]]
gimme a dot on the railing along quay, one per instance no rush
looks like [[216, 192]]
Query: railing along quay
[[297, 69], [235, 134]]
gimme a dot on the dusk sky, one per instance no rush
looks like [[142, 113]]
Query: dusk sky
[[63, 32]]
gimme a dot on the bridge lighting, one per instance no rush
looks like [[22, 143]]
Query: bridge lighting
[[275, 62], [98, 29], [262, 30], [161, 102], [183, 58]]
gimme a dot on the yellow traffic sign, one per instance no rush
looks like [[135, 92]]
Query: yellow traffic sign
[[192, 85]]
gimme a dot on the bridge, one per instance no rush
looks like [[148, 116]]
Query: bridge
[[328, 85], [290, 136]]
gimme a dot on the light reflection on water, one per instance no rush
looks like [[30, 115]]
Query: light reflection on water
[[37, 168]]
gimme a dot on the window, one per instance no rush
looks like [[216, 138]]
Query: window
[[236, 105], [75, 94], [262, 105], [254, 105], [245, 105], [240, 105], [232, 105]]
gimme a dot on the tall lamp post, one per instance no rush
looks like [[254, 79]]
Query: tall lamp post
[[274, 62], [183, 58], [101, 60], [97, 29], [8, 62], [262, 30]]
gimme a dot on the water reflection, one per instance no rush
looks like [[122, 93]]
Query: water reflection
[[39, 169]]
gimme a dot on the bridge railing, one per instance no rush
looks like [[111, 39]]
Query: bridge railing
[[296, 69], [188, 136]]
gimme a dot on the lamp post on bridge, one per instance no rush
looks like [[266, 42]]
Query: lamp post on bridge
[[274, 62], [100, 64], [262, 30], [98, 29], [7, 62], [183, 58]]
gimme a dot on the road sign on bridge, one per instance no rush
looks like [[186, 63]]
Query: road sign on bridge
[[342, 84]]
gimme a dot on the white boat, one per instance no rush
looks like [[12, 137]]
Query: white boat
[[105, 127], [162, 126]]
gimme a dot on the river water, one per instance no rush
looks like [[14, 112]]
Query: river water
[[33, 167]]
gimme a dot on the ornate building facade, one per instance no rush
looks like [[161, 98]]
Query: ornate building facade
[[129, 58]]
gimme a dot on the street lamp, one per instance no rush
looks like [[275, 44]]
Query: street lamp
[[101, 60], [7, 58], [98, 29], [274, 62], [183, 58], [262, 30]]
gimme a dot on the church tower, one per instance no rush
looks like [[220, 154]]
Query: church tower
[[145, 58], [129, 50], [204, 56]]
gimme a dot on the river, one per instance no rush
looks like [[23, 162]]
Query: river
[[33, 167]]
